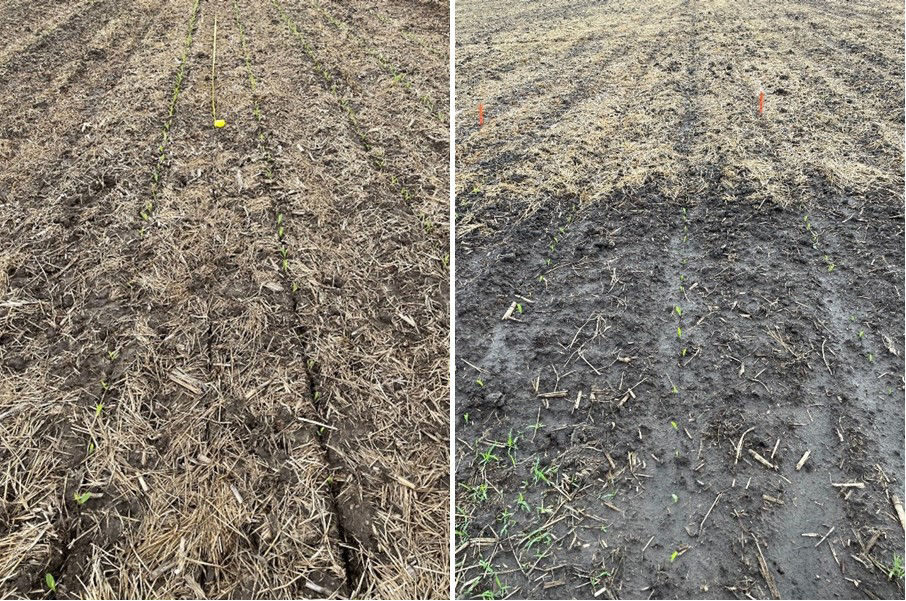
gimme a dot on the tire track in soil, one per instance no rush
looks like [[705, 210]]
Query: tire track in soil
[[27, 72], [50, 137], [315, 197], [248, 322]]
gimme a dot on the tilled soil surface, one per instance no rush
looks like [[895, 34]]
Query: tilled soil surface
[[699, 299], [223, 352]]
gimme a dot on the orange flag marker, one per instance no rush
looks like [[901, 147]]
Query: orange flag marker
[[761, 102], [480, 114]]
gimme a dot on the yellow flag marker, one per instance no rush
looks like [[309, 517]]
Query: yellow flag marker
[[219, 123]]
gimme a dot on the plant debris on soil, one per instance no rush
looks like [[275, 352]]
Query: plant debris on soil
[[679, 331], [224, 350]]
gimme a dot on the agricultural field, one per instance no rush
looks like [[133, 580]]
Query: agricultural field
[[679, 320], [224, 350]]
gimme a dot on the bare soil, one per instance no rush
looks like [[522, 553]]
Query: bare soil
[[694, 285], [223, 352]]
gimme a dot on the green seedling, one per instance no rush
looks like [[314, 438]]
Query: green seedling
[[896, 569], [105, 385], [487, 456], [280, 232], [311, 364], [673, 556], [675, 425], [519, 307], [522, 503], [505, 518], [511, 446], [679, 332], [871, 358], [83, 498], [540, 474], [112, 355], [90, 448], [536, 426], [861, 334], [541, 278], [675, 498], [480, 493], [98, 408], [542, 509], [465, 417], [674, 390], [538, 537], [678, 310], [480, 382], [683, 353], [51, 582]]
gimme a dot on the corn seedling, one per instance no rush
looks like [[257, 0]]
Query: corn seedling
[[675, 425], [675, 498], [678, 310], [673, 556], [112, 355], [522, 504], [51, 582], [465, 418], [98, 408], [480, 382], [83, 498], [145, 214], [679, 332]]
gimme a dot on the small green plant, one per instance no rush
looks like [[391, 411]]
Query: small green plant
[[112, 355], [674, 390], [675, 498], [480, 382], [511, 444], [673, 556], [465, 417], [540, 474], [861, 334], [83, 498], [51, 582], [871, 358], [675, 425], [679, 332], [480, 493], [98, 408], [678, 310], [505, 519], [487, 456], [896, 569], [683, 353], [519, 307], [522, 503]]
